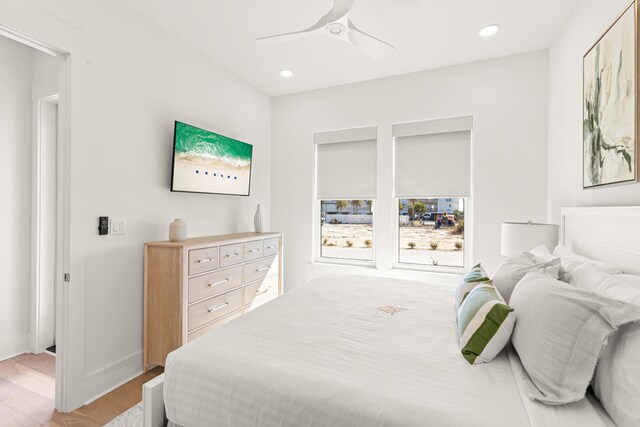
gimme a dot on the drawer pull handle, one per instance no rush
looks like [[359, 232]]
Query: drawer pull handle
[[219, 283], [259, 292], [263, 269], [254, 250], [200, 261], [271, 247], [219, 307], [233, 254]]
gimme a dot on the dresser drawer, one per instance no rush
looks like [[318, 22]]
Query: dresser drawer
[[211, 326], [215, 283], [253, 250], [214, 308], [263, 289], [231, 255], [271, 246], [258, 269], [201, 260]]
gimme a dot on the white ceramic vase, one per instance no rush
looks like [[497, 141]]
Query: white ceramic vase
[[178, 230], [257, 220]]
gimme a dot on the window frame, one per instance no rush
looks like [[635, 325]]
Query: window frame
[[317, 240], [397, 265]]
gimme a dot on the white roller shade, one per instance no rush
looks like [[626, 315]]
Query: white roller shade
[[434, 164], [427, 127], [346, 170], [346, 135]]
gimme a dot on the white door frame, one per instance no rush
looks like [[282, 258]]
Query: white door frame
[[29, 25], [43, 92]]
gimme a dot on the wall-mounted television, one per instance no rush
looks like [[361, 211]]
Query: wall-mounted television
[[207, 162]]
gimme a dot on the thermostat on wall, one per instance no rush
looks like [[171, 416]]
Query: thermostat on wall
[[103, 225]]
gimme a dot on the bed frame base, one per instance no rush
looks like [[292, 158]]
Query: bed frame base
[[153, 403]]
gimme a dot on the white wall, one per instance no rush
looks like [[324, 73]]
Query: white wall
[[15, 193], [508, 99], [588, 22], [43, 65], [141, 79]]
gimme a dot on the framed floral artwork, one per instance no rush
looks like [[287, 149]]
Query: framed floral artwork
[[610, 105]]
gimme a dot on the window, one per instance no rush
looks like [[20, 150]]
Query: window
[[347, 229], [346, 183], [430, 192], [432, 183], [431, 231]]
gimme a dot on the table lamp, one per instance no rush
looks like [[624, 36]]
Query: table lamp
[[518, 237]]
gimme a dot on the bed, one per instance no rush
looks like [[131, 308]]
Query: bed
[[360, 351]]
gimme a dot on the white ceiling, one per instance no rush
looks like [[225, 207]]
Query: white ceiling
[[427, 34]]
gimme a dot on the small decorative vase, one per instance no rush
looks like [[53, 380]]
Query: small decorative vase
[[257, 220], [178, 230]]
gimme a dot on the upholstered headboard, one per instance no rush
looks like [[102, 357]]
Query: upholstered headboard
[[610, 234]]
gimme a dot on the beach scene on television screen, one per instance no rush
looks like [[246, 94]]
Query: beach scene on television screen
[[206, 162]]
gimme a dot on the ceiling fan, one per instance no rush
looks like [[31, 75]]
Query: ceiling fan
[[336, 24]]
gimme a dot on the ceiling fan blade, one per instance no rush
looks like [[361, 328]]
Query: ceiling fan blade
[[286, 37], [370, 45], [341, 8]]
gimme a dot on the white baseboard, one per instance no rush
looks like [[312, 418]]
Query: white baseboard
[[104, 380], [13, 345]]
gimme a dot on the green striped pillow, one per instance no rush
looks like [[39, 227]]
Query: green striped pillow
[[485, 324], [473, 278]]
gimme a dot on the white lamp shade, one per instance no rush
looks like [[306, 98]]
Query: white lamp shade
[[518, 237]]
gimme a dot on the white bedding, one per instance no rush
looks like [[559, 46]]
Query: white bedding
[[325, 354], [585, 413]]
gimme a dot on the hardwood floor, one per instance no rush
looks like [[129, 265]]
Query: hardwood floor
[[27, 393]]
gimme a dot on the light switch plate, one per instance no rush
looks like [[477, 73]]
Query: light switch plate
[[118, 226]]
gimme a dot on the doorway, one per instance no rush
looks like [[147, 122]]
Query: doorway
[[28, 186], [44, 216], [28, 183], [31, 26]]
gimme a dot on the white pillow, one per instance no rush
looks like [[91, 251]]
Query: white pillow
[[542, 254], [628, 279], [570, 260], [617, 378], [513, 269], [591, 278], [560, 334]]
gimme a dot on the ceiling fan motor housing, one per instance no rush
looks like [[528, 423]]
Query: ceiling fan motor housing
[[335, 29]]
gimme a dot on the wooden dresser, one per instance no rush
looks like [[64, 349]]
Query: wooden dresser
[[192, 287]]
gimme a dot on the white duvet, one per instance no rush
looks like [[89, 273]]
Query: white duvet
[[342, 351]]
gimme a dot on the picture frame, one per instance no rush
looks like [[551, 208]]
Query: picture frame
[[610, 104]]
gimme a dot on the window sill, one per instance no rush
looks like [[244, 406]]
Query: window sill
[[448, 271], [454, 271], [345, 263]]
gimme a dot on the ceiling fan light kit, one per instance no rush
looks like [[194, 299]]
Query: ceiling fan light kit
[[336, 24]]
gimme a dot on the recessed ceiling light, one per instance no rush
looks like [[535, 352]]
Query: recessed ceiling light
[[286, 73], [489, 30]]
